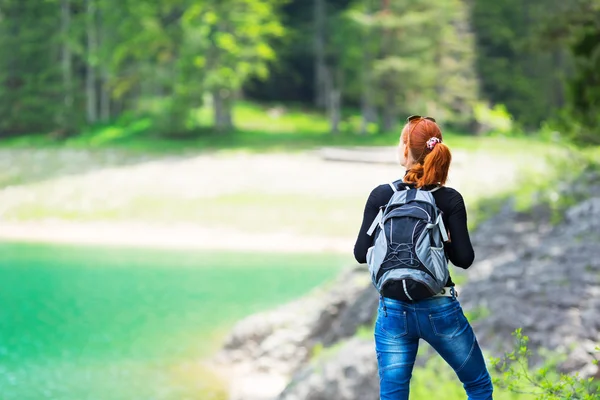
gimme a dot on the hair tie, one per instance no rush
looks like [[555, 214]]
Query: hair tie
[[432, 142]]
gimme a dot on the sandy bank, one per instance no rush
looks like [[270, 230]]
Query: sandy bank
[[172, 236]]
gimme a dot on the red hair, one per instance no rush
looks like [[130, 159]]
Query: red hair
[[430, 165]]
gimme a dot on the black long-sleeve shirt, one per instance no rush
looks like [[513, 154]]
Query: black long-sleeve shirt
[[459, 250]]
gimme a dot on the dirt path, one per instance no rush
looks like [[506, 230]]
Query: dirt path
[[210, 176]]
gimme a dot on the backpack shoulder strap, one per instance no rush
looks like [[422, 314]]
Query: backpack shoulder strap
[[440, 223], [379, 216], [376, 222], [394, 185]]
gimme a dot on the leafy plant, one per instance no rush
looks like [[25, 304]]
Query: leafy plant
[[541, 383]]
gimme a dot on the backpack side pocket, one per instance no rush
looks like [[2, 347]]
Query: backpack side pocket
[[375, 256]]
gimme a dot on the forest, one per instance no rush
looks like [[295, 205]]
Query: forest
[[69, 64]]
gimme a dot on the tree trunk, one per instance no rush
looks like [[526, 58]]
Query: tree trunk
[[222, 106], [66, 66], [558, 58], [319, 42], [104, 74], [368, 112], [389, 105], [335, 107], [334, 99], [389, 111], [10, 84], [104, 96], [90, 82]]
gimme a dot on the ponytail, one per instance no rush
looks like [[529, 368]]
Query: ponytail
[[435, 166], [433, 170]]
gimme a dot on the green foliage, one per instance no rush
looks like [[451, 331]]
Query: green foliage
[[422, 58], [106, 57], [543, 384], [436, 380], [319, 352], [549, 169], [29, 73], [512, 377], [577, 27], [548, 190], [66, 65], [365, 331], [514, 69], [225, 44], [495, 120], [477, 313]]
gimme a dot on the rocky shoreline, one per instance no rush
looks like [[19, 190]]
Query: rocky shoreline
[[528, 273]]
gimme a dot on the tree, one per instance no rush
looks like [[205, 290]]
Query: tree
[[577, 26], [416, 57], [341, 64], [456, 82], [66, 65], [322, 78], [90, 76], [230, 42], [367, 106], [31, 82], [513, 68], [404, 67]]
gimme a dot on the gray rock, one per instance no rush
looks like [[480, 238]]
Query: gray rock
[[548, 285], [348, 374], [278, 343]]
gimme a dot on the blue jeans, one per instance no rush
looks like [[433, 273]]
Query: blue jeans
[[441, 323]]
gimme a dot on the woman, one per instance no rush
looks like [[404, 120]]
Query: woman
[[439, 320]]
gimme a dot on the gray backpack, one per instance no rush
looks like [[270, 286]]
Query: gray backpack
[[409, 244]]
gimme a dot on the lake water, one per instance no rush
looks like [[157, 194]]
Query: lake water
[[104, 323]]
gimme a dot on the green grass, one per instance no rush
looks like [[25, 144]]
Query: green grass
[[101, 323], [258, 129], [436, 380], [272, 118]]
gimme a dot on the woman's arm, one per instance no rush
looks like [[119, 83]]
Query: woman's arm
[[460, 250], [376, 199]]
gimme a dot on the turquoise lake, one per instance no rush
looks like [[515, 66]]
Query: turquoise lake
[[109, 323]]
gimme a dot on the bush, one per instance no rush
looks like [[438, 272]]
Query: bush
[[542, 383], [496, 120]]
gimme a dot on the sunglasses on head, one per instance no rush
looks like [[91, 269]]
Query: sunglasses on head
[[414, 117]]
